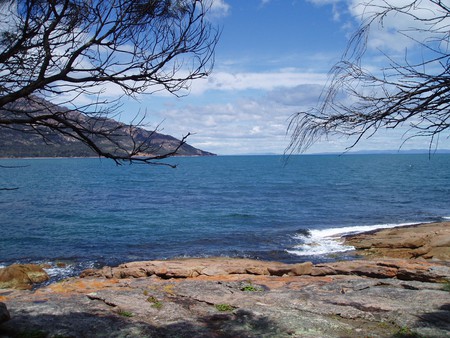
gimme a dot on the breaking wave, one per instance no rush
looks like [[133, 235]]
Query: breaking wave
[[329, 241]]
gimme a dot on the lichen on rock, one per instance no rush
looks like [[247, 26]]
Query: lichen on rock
[[22, 276]]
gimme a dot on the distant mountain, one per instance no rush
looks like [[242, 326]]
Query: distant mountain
[[20, 141]]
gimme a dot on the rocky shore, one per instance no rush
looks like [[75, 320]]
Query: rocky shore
[[399, 288]]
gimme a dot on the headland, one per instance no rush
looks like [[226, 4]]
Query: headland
[[399, 288]]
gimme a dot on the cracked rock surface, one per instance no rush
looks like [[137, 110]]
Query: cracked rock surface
[[232, 305], [388, 294]]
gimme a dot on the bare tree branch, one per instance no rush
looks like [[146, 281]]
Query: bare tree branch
[[415, 94], [75, 49]]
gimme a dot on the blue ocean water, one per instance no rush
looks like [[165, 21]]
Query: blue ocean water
[[90, 212]]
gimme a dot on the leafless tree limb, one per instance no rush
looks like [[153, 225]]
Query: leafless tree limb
[[358, 103], [74, 49]]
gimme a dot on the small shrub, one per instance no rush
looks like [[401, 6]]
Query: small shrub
[[446, 286], [155, 302], [224, 307], [405, 332], [124, 313], [169, 289], [251, 288]]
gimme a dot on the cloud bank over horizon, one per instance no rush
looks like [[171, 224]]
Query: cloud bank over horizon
[[272, 61]]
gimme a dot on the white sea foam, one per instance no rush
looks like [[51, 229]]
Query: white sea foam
[[57, 271], [60, 272], [329, 241]]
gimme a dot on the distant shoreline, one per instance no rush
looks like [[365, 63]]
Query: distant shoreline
[[87, 157], [353, 153]]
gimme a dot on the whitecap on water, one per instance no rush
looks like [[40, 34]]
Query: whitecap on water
[[330, 241], [60, 271]]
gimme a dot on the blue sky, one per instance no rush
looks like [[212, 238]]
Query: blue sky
[[272, 60]]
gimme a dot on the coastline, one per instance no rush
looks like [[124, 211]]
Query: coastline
[[378, 295], [326, 245], [416, 241]]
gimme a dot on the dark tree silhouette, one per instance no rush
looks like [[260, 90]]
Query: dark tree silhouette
[[409, 93], [76, 49]]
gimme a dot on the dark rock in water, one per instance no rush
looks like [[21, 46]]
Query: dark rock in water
[[303, 232], [4, 313], [22, 276]]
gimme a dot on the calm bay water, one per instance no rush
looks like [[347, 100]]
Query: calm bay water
[[90, 212]]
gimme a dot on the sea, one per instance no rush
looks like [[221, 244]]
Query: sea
[[73, 213]]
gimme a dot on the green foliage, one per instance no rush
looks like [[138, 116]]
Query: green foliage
[[155, 302], [405, 332], [124, 313], [446, 286], [251, 288], [224, 307]]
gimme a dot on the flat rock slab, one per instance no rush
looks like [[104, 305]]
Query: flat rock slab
[[233, 305], [197, 267], [388, 295], [428, 241]]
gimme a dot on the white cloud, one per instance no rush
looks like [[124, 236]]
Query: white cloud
[[250, 124], [228, 81], [402, 29], [219, 8], [324, 2], [257, 122], [304, 95], [397, 30]]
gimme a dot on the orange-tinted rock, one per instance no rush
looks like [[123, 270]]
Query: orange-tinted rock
[[425, 240], [257, 270], [439, 253], [301, 269], [186, 268], [322, 270], [363, 268], [131, 272], [21, 276]]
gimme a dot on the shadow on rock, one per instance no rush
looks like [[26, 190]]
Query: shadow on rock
[[77, 324], [439, 319], [83, 324], [241, 323], [238, 324]]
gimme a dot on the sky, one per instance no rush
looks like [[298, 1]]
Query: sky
[[272, 60]]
